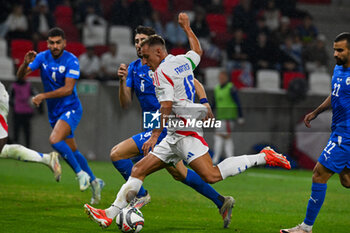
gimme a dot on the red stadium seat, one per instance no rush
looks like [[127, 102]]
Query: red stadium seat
[[63, 15], [42, 46], [229, 5], [182, 5], [289, 76], [19, 48], [100, 49], [177, 51], [107, 6], [217, 23], [241, 78], [71, 32], [76, 48], [160, 5]]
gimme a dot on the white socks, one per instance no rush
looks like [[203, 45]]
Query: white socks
[[19, 152], [130, 188], [306, 227], [236, 165]]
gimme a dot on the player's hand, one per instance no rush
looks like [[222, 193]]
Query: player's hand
[[38, 99], [29, 57], [183, 20], [122, 71], [308, 118], [210, 113], [149, 144]]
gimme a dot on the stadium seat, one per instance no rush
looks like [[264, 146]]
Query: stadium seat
[[182, 5], [160, 5], [100, 49], [63, 15], [242, 79], [3, 48], [7, 69], [177, 51], [19, 48], [211, 75], [217, 23], [95, 35], [268, 80], [127, 53], [319, 83], [289, 76], [42, 46], [107, 6], [229, 5], [72, 33], [76, 48], [120, 35]]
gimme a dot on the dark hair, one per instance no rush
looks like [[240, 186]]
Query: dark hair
[[145, 30], [343, 36], [153, 40], [56, 31]]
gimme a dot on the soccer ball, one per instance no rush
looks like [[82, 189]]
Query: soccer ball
[[130, 220]]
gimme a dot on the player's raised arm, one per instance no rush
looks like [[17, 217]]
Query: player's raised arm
[[184, 22], [24, 70], [312, 115], [124, 91]]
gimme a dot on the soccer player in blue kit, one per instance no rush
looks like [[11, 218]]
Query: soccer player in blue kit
[[59, 71], [335, 157], [137, 78]]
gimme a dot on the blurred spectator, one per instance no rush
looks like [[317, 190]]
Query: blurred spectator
[[283, 31], [93, 19], [89, 64], [291, 55], [175, 34], [110, 62], [315, 55], [16, 24], [120, 13], [243, 16], [199, 25], [307, 30], [259, 27], [81, 10], [272, 15], [5, 9], [237, 52], [140, 10], [263, 55], [215, 7], [42, 21], [155, 23], [21, 93]]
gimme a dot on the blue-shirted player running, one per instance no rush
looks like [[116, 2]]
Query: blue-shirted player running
[[137, 78], [59, 70], [335, 157]]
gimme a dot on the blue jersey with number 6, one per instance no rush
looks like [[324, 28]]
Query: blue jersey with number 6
[[53, 73]]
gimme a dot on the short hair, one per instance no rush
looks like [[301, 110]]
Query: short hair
[[145, 30], [56, 31], [343, 36], [153, 40]]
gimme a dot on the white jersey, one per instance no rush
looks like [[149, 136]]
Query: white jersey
[[4, 109], [174, 81]]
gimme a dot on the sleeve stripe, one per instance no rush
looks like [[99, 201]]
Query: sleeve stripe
[[192, 63], [169, 79]]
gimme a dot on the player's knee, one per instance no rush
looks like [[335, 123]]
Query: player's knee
[[53, 140], [114, 155], [137, 172], [345, 183]]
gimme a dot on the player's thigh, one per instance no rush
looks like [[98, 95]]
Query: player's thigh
[[321, 174], [344, 177], [203, 166], [124, 150], [60, 132], [179, 172], [146, 166]]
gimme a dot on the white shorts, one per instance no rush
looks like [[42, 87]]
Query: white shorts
[[4, 109], [227, 127], [188, 148]]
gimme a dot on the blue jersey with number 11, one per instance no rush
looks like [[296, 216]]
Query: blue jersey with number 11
[[139, 79], [53, 73]]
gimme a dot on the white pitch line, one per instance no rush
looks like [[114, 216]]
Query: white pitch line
[[275, 176]]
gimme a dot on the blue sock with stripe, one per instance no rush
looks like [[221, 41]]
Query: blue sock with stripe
[[84, 164], [318, 194], [67, 153], [195, 181], [124, 167]]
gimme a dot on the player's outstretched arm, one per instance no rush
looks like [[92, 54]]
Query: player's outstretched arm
[[24, 70], [124, 91], [184, 22], [312, 115], [66, 90], [202, 96]]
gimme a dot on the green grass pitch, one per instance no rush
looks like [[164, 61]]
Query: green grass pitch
[[266, 200]]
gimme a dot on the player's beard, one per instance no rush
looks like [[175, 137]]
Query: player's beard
[[340, 61], [58, 55]]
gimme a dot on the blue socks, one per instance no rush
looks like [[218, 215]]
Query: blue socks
[[318, 194], [195, 181], [67, 154], [124, 167], [84, 164]]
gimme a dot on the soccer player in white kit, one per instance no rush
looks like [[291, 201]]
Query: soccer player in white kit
[[173, 78], [19, 152]]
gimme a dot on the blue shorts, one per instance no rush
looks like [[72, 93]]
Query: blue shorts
[[141, 138], [72, 117], [336, 155]]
